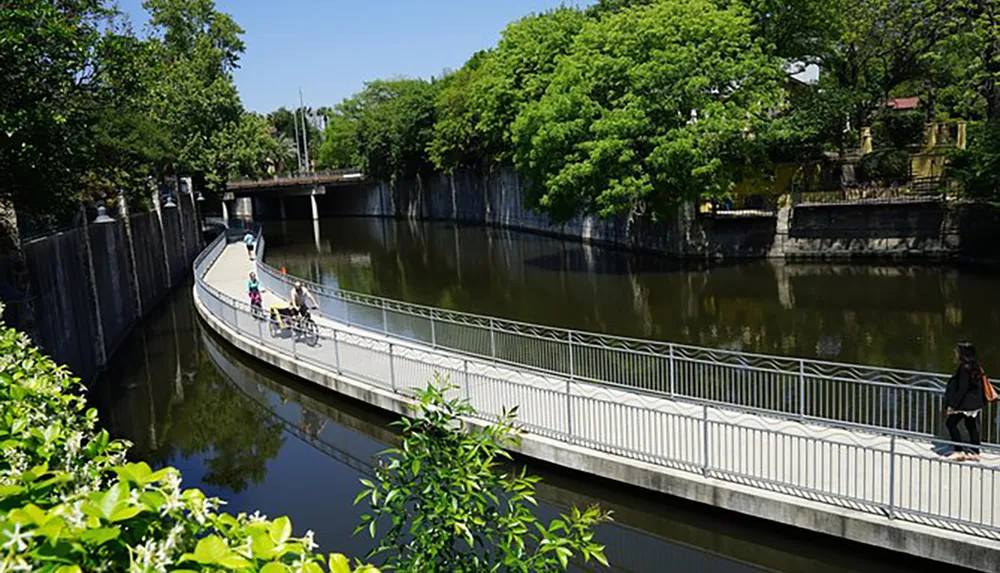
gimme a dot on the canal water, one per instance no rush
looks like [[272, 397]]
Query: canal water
[[900, 315], [262, 440]]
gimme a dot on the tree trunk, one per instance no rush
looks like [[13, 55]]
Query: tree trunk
[[10, 245]]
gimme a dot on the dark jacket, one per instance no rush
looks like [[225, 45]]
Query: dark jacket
[[965, 390]]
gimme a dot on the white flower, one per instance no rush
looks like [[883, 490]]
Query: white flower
[[246, 549], [257, 517], [17, 539], [308, 541]]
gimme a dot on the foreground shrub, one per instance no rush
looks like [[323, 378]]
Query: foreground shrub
[[443, 503], [70, 503]]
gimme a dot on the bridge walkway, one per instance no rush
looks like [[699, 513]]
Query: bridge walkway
[[890, 477]]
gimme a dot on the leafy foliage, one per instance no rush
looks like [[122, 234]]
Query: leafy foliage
[[444, 503], [977, 168], [884, 165], [653, 106], [70, 503], [395, 124]]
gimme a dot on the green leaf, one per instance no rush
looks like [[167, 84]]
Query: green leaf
[[281, 530], [338, 564], [100, 536], [273, 567], [211, 550], [118, 492], [125, 512], [69, 569]]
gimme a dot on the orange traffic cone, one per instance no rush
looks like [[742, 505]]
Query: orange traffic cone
[[283, 270]]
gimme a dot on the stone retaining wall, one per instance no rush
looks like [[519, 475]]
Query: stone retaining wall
[[90, 285], [932, 229]]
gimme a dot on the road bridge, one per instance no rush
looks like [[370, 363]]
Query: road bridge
[[282, 187], [841, 449]]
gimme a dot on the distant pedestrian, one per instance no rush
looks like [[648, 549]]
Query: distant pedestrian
[[249, 241], [964, 400]]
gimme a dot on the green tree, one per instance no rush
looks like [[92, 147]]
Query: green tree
[[395, 125], [240, 149], [340, 143], [653, 106], [196, 97], [55, 63], [480, 104], [446, 504]]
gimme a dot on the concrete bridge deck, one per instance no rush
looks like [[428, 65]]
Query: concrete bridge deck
[[877, 487]]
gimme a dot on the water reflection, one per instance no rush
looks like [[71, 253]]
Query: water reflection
[[906, 316], [262, 440]]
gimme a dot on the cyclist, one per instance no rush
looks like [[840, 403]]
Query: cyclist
[[299, 298], [254, 290]]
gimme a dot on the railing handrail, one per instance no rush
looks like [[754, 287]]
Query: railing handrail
[[567, 332], [880, 493]]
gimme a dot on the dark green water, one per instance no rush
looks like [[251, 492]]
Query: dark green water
[[907, 316], [261, 440]]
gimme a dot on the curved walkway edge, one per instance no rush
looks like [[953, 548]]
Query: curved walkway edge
[[915, 539]]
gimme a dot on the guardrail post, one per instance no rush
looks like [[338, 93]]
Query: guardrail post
[[385, 319], [392, 369], [802, 388], [704, 440], [433, 334], [260, 329], [295, 342], [892, 476], [465, 368], [569, 412], [493, 341], [336, 349], [673, 371], [572, 370]]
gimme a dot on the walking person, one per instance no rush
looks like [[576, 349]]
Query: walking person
[[964, 400], [254, 290], [249, 242]]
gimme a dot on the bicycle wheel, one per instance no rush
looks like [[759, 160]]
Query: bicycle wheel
[[311, 332]]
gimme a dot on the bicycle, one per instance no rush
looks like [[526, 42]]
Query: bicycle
[[305, 327]]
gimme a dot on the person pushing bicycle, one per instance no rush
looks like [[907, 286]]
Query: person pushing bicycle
[[300, 297]]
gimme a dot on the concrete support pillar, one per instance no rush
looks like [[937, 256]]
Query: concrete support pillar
[[866, 140], [100, 351], [225, 213], [133, 271], [316, 235], [960, 139], [158, 209], [930, 135], [315, 208], [281, 205]]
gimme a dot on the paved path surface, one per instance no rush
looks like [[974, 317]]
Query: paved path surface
[[851, 469]]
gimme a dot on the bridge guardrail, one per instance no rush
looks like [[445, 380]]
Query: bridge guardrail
[[887, 473], [303, 178], [806, 389]]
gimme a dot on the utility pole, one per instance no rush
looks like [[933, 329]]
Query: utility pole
[[305, 132], [298, 153]]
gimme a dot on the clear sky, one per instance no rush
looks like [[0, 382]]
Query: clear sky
[[329, 48]]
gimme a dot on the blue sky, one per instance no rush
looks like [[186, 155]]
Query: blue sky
[[329, 48]]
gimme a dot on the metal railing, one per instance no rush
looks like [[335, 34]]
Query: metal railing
[[798, 388], [298, 178], [887, 473]]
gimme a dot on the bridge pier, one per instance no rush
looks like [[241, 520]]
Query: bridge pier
[[225, 212], [281, 205], [312, 203]]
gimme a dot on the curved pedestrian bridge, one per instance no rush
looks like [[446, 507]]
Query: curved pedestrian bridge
[[841, 449]]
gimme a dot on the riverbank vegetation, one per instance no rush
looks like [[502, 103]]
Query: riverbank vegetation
[[71, 502], [89, 108], [637, 105]]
